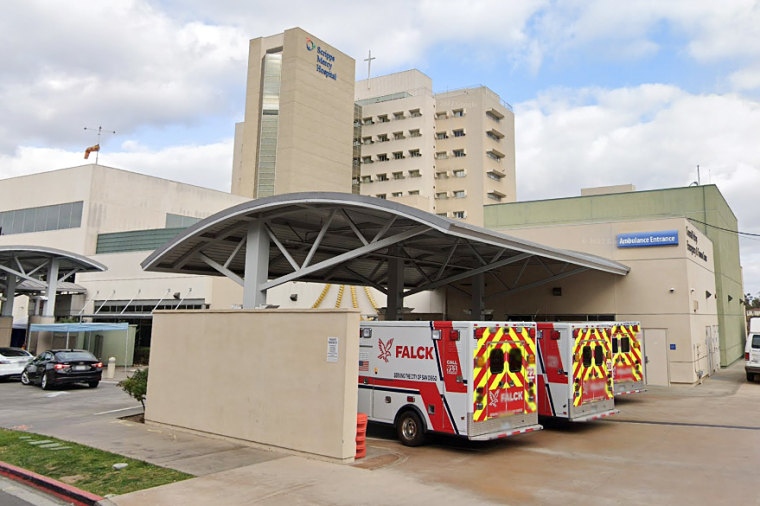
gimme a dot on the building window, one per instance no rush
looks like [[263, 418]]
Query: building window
[[382, 138], [398, 175], [441, 135], [398, 135], [441, 115], [398, 115], [381, 195], [382, 177], [414, 153], [382, 157], [441, 195], [494, 115], [459, 132], [366, 159], [494, 155], [366, 179], [367, 140], [383, 118], [441, 155], [180, 221], [40, 219], [459, 153], [460, 173], [459, 214], [494, 175], [415, 113], [367, 121], [442, 215], [442, 175], [459, 194], [398, 155], [415, 173], [415, 133], [495, 135], [397, 194], [457, 113], [495, 196], [414, 192]]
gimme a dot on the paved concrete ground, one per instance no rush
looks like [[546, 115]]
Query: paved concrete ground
[[684, 444], [13, 493]]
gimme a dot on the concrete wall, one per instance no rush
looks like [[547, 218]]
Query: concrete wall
[[261, 376]]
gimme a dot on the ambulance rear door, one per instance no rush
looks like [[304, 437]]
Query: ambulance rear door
[[592, 391]]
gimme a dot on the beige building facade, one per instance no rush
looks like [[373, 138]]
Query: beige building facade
[[447, 153], [297, 130]]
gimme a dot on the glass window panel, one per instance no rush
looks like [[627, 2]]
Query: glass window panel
[[496, 361], [76, 214], [51, 217], [515, 360]]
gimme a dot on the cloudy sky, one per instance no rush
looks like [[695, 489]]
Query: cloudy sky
[[604, 92]]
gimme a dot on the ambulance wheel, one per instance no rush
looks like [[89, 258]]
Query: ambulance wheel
[[410, 430], [750, 376]]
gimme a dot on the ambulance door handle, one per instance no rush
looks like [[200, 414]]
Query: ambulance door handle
[[387, 399], [560, 372]]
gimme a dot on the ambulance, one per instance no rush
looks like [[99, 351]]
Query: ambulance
[[627, 353], [471, 379], [574, 371]]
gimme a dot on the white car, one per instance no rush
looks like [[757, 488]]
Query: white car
[[752, 356], [13, 361]]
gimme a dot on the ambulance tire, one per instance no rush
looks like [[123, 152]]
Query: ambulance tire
[[750, 376], [410, 429]]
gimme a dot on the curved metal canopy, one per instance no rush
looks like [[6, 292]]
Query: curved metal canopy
[[40, 269], [354, 239]]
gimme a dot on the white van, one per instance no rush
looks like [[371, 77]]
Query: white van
[[752, 349]]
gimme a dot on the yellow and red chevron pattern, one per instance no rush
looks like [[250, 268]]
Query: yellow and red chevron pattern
[[592, 337], [630, 360], [486, 384]]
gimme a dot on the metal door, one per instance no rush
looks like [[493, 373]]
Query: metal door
[[656, 359]]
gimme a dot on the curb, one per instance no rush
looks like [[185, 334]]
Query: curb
[[55, 487]]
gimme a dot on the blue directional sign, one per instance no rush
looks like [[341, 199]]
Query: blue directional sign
[[644, 239]]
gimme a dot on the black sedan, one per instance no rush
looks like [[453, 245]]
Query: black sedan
[[59, 367]]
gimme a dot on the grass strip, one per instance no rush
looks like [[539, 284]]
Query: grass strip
[[81, 466]]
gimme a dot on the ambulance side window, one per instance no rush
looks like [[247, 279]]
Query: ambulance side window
[[515, 360], [598, 355], [586, 356], [625, 344], [496, 361], [614, 345]]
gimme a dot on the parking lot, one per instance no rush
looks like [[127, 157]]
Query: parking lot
[[697, 444]]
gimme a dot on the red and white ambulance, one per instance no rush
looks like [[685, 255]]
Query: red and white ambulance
[[470, 379], [574, 371], [627, 353]]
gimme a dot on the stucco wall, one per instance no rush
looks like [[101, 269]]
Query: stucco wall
[[261, 376]]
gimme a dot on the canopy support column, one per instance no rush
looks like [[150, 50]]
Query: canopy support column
[[52, 287], [10, 294], [478, 285], [256, 266], [395, 301]]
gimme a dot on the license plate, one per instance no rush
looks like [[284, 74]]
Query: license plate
[[81, 367]]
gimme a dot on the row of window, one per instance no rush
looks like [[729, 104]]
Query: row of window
[[394, 175], [397, 194], [39, 219], [457, 153], [455, 113], [385, 118], [454, 214], [457, 194], [396, 155], [459, 132]]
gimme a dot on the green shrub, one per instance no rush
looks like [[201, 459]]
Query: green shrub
[[137, 385]]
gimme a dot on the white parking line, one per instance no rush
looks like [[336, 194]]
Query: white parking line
[[116, 410]]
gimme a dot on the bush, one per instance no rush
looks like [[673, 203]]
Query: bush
[[137, 385]]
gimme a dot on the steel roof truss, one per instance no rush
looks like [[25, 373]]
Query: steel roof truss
[[187, 256], [353, 227], [349, 255], [318, 240], [479, 257], [520, 274], [385, 228], [367, 281], [222, 269], [448, 259], [234, 253], [538, 283], [467, 274], [282, 248]]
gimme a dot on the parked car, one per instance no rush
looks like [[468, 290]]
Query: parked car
[[752, 356], [59, 367], [12, 362]]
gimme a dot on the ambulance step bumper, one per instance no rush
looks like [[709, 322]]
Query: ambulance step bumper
[[632, 391], [595, 416], [511, 432]]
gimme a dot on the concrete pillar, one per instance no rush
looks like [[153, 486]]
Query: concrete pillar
[[42, 341], [478, 287], [6, 329], [395, 301], [256, 266]]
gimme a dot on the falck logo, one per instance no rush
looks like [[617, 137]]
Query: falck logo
[[385, 349], [309, 44], [493, 398]]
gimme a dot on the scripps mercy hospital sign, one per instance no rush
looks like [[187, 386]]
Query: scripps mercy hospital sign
[[325, 60], [644, 239]]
